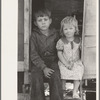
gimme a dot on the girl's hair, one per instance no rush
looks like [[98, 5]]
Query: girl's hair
[[42, 12], [69, 20]]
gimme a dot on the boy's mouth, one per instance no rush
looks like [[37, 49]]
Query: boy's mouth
[[43, 26]]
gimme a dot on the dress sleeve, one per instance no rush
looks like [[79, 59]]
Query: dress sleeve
[[34, 56], [60, 45]]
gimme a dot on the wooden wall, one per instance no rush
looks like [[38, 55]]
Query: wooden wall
[[20, 30], [89, 38]]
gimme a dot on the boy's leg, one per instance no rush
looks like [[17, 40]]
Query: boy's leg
[[64, 87], [56, 92], [64, 84], [37, 86]]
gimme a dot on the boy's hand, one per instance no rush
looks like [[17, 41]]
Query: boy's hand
[[48, 72]]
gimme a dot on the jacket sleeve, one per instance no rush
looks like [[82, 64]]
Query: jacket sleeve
[[34, 56]]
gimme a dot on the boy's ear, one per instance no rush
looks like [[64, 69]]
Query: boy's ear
[[35, 23]]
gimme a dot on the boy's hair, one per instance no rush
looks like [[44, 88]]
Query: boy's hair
[[42, 12], [69, 20]]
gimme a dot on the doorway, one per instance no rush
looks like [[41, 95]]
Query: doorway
[[59, 10]]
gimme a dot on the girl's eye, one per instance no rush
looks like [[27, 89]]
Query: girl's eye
[[45, 19]]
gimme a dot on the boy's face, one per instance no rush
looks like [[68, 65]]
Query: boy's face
[[43, 23], [68, 30]]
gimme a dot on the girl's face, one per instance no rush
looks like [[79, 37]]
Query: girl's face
[[69, 30], [43, 23]]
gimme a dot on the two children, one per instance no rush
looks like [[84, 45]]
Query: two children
[[44, 59], [68, 48]]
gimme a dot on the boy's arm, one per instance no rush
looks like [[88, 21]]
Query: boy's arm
[[34, 56]]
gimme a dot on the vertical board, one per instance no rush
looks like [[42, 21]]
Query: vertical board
[[20, 30], [26, 34], [89, 39]]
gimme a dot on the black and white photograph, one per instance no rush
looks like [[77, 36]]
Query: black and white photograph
[[56, 50]]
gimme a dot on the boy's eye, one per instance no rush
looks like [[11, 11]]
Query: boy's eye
[[40, 20], [65, 29]]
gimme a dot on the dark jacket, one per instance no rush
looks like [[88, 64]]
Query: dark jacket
[[43, 48]]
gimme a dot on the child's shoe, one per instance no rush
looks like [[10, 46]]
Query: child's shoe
[[64, 94], [76, 96]]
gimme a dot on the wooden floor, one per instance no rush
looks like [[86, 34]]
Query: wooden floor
[[47, 98], [27, 97]]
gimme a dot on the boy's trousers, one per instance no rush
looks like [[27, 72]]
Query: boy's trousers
[[37, 83]]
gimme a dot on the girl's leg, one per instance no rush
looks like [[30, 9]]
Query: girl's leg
[[76, 86]]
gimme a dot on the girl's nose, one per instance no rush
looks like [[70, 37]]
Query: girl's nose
[[68, 30], [43, 21]]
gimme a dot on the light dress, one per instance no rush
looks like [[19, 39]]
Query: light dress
[[71, 53]]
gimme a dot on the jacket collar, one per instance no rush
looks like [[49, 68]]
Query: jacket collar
[[51, 31]]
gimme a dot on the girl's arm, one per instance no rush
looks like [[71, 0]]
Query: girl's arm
[[80, 47], [62, 59]]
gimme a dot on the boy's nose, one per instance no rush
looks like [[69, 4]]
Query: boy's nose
[[43, 21]]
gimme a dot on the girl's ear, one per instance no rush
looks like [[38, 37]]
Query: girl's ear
[[35, 23], [50, 20]]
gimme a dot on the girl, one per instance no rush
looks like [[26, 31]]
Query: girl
[[68, 47]]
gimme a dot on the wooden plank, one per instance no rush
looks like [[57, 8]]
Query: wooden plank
[[26, 34], [20, 46], [26, 56], [90, 41], [89, 76], [90, 12], [89, 62], [26, 77], [30, 15], [26, 21], [20, 66], [83, 31], [22, 96], [90, 29]]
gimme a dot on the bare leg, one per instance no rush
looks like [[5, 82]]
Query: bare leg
[[76, 86]]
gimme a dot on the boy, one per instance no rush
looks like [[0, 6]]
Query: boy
[[43, 57]]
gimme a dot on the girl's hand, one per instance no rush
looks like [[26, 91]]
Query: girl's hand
[[67, 65], [71, 65]]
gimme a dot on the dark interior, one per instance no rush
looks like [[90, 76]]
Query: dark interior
[[60, 9]]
